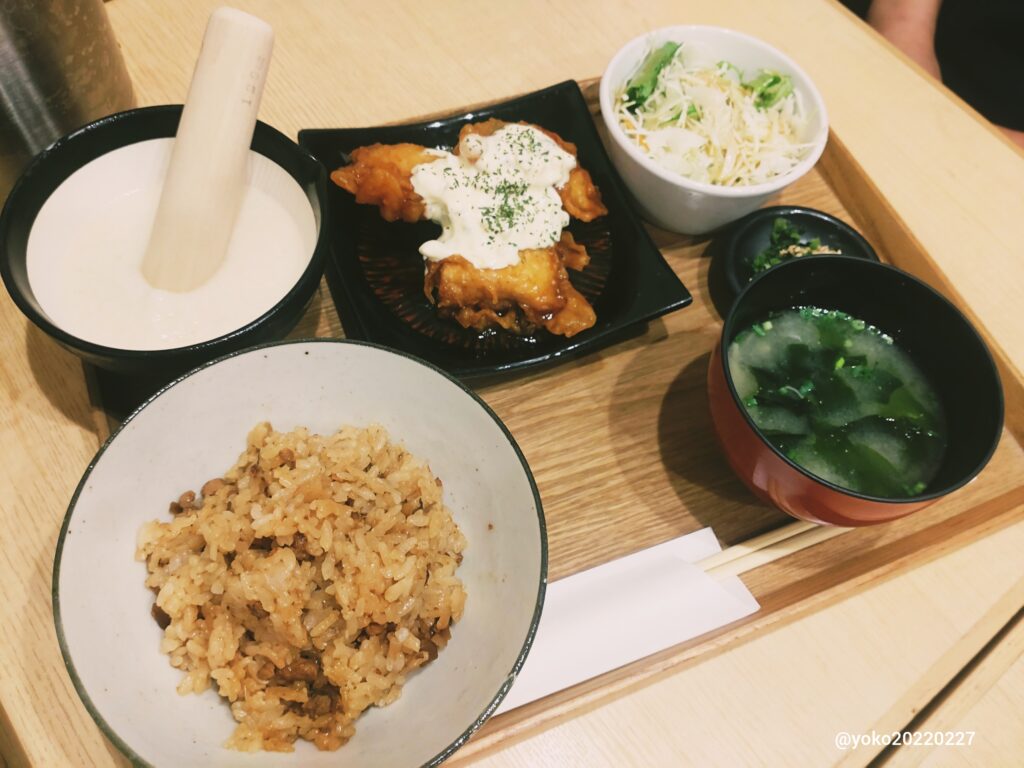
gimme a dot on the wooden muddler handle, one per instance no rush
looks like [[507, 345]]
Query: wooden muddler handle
[[206, 177]]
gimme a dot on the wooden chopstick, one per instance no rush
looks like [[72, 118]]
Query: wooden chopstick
[[768, 547]]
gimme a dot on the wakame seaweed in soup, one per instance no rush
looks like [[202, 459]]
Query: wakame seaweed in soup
[[840, 399]]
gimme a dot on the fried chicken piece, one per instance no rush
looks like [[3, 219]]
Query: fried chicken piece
[[381, 175], [534, 293], [580, 197]]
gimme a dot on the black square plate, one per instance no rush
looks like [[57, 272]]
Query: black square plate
[[375, 271]]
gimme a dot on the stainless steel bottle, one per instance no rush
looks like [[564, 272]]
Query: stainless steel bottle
[[60, 67]]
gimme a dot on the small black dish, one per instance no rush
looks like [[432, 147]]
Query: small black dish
[[734, 250], [375, 271], [54, 165]]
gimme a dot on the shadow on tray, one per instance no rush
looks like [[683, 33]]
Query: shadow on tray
[[708, 490]]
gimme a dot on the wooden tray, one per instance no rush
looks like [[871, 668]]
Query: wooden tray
[[623, 452]]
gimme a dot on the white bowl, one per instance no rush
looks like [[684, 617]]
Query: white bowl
[[670, 200], [195, 429]]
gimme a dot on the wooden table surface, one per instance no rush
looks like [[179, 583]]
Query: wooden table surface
[[937, 647]]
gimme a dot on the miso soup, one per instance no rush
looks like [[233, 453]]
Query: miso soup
[[840, 399]]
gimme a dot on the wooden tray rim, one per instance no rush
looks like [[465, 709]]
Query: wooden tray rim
[[888, 233], [882, 225]]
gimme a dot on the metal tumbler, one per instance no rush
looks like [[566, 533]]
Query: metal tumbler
[[60, 68]]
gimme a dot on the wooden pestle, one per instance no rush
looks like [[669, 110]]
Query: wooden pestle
[[206, 176]]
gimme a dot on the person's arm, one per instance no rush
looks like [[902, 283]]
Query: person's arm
[[910, 26], [1017, 137]]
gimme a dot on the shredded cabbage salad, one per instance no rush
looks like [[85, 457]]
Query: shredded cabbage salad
[[704, 121]]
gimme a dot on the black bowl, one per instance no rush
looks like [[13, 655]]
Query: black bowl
[[54, 165], [936, 336], [735, 249]]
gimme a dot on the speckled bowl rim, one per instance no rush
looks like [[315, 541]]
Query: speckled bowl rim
[[531, 633]]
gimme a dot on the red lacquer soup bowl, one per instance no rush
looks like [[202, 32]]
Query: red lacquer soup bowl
[[923, 323]]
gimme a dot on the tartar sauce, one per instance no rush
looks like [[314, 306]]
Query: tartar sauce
[[497, 197]]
